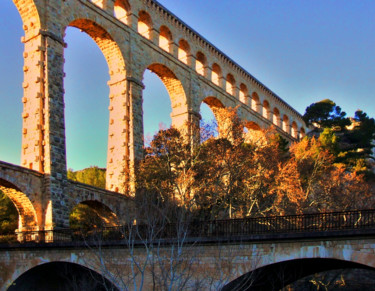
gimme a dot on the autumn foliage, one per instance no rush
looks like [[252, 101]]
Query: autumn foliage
[[249, 174]]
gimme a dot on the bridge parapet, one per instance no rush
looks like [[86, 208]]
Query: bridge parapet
[[319, 225]]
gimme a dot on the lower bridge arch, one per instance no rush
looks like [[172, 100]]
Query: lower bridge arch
[[61, 276], [27, 214], [95, 214], [278, 275]]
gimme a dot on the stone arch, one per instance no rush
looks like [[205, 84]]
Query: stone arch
[[122, 10], [107, 45], [251, 125], [29, 15], [216, 106], [276, 117], [294, 130], [255, 102], [278, 275], [184, 51], [302, 133], [165, 38], [99, 3], [60, 274], [175, 90], [285, 123], [144, 24], [201, 63], [244, 94], [216, 75], [253, 133], [117, 84], [266, 110], [230, 86], [28, 219], [107, 217]]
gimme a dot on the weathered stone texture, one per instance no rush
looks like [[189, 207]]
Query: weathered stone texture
[[133, 35], [231, 260]]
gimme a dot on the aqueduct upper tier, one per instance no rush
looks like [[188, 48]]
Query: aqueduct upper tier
[[133, 35]]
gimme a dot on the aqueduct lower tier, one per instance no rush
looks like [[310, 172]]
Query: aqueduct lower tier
[[133, 35], [38, 211], [283, 261]]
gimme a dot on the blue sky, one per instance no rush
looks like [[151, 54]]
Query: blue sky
[[303, 50]]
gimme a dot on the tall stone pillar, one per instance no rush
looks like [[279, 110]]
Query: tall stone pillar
[[54, 132], [125, 144], [43, 142], [118, 138], [135, 88]]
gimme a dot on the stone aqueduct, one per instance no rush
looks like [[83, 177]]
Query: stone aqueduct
[[133, 35]]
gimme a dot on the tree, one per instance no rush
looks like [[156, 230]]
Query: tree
[[325, 113], [8, 215], [357, 143], [93, 176], [350, 140], [167, 167], [309, 182]]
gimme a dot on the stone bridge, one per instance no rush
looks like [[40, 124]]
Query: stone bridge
[[133, 35], [26, 189], [237, 265]]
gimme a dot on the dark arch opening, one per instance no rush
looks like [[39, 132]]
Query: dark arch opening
[[92, 214], [61, 276], [278, 275], [9, 215]]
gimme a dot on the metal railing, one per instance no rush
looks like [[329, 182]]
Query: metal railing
[[318, 224]]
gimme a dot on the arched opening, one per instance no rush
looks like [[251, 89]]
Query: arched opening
[[165, 39], [99, 3], [266, 109], [61, 276], [160, 99], [26, 217], [276, 117], [279, 275], [302, 133], [244, 94], [86, 102], [208, 123], [251, 125], [211, 117], [255, 102], [200, 64], [285, 124], [8, 218], [253, 133], [92, 214], [230, 85], [122, 11], [11, 76], [157, 106], [216, 75], [144, 24], [86, 91], [183, 51], [294, 129], [337, 279]]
